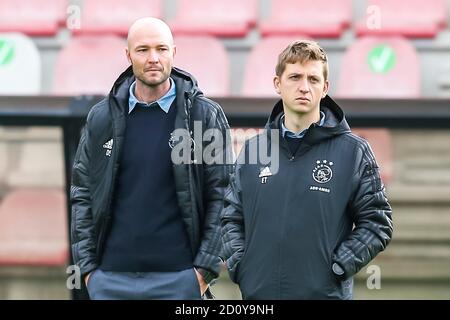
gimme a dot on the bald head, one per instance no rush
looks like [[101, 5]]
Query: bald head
[[151, 52], [149, 27]]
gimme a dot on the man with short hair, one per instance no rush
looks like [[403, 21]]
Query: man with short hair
[[143, 225], [303, 231]]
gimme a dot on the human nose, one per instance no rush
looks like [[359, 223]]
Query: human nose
[[153, 56], [303, 86]]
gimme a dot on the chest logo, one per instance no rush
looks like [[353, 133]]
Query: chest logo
[[322, 172], [264, 173], [176, 137], [172, 141], [108, 146]]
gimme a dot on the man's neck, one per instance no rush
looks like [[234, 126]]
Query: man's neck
[[149, 94], [296, 122]]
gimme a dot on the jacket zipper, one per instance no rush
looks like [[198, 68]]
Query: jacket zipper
[[192, 185], [291, 157]]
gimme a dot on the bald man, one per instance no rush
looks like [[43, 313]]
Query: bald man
[[145, 226]]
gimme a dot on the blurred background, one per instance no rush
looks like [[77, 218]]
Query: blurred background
[[392, 52]]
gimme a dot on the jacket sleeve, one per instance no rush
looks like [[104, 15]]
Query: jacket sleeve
[[372, 217], [232, 222], [82, 229], [215, 180]]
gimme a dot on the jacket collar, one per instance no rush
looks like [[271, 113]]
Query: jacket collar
[[335, 122], [186, 90]]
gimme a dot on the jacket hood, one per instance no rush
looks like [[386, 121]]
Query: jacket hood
[[335, 122]]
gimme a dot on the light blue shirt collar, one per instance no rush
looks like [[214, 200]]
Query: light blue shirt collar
[[164, 102], [286, 132]]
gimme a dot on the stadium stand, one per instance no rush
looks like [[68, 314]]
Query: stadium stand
[[33, 228], [380, 67], [316, 18], [121, 14], [33, 158], [36, 17], [103, 60], [206, 58], [3, 159], [19, 60], [409, 18], [260, 66], [381, 143], [231, 18]]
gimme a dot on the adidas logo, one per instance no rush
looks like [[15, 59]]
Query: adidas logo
[[265, 172], [108, 146]]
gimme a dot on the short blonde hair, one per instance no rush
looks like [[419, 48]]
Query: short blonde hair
[[302, 51]]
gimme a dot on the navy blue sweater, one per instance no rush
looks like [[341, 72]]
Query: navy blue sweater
[[147, 232]]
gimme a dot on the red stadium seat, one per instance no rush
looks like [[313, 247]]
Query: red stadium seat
[[260, 66], [206, 58], [316, 18], [231, 18], [32, 17], [33, 228], [409, 18], [105, 16], [381, 142], [380, 68], [89, 65]]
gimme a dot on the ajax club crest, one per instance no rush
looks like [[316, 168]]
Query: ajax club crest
[[322, 172]]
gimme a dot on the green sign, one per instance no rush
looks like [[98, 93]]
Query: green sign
[[381, 59], [6, 52]]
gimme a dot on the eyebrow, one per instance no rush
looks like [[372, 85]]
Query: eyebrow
[[156, 46], [301, 74]]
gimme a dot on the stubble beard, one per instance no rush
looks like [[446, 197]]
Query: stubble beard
[[152, 84]]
